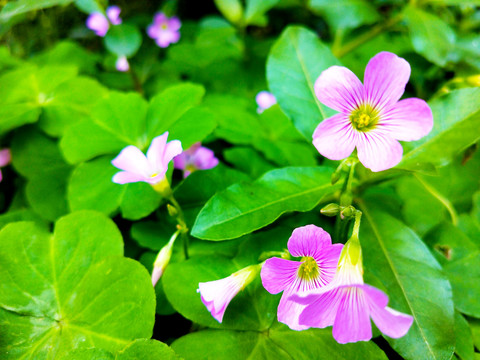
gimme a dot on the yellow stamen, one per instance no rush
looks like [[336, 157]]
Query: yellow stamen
[[308, 270]]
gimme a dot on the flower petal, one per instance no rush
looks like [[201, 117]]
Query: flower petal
[[132, 160], [172, 149], [5, 157], [339, 88], [378, 151], [390, 322], [217, 294], [385, 78], [278, 274], [320, 310], [335, 137], [327, 260], [174, 23], [352, 322], [289, 312], [113, 14], [309, 240], [408, 120], [265, 100], [156, 151], [98, 23], [124, 177], [204, 159]]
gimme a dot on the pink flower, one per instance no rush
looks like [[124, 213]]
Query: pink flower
[[348, 304], [100, 23], [265, 100], [122, 64], [151, 168], [164, 30], [216, 295], [5, 159], [371, 118], [316, 269], [196, 157]]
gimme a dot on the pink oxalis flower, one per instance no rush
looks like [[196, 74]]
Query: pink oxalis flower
[[316, 269], [217, 294], [122, 64], [164, 30], [151, 168], [348, 304], [5, 159], [265, 100], [100, 23], [195, 158], [371, 118]]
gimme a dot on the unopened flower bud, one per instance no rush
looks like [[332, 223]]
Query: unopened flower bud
[[347, 212], [162, 260], [172, 211], [330, 210]]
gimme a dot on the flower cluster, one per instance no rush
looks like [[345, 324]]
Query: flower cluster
[[164, 30], [100, 23]]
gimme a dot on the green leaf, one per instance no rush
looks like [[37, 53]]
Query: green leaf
[[464, 341], [14, 8], [123, 40], [456, 121], [458, 255], [245, 207], [231, 9], [431, 36], [256, 9], [415, 284], [70, 289], [293, 65], [248, 161], [345, 14], [146, 350], [278, 343]]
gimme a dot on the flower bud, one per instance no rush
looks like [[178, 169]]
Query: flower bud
[[330, 210]]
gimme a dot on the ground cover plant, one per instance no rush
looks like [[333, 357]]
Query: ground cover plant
[[240, 179]]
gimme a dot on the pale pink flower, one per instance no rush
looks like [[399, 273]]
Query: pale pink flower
[[164, 30], [151, 168], [195, 158], [348, 304], [122, 64], [217, 294], [163, 258], [316, 268], [100, 23], [5, 159], [371, 118], [265, 100]]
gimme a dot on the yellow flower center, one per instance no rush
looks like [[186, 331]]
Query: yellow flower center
[[364, 118], [308, 270]]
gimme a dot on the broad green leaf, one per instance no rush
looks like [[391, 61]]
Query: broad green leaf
[[21, 215], [431, 36], [116, 121], [38, 158], [90, 6], [458, 255], [70, 289], [231, 9], [123, 40], [152, 234], [456, 121], [293, 65], [278, 343], [248, 161], [14, 8], [145, 349], [91, 187], [464, 341], [345, 14], [414, 282], [255, 11], [252, 309], [245, 207]]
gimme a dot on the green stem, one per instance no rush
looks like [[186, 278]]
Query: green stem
[[182, 225], [341, 225], [356, 225], [366, 36], [441, 198]]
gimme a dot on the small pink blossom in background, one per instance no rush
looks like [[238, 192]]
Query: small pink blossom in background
[[164, 30], [100, 23], [122, 64], [316, 269], [348, 304], [151, 168], [371, 118], [196, 157], [5, 159], [265, 100], [217, 294]]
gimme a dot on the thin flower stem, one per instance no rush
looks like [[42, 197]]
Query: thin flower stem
[[356, 225], [346, 198], [366, 36], [450, 208], [182, 225]]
